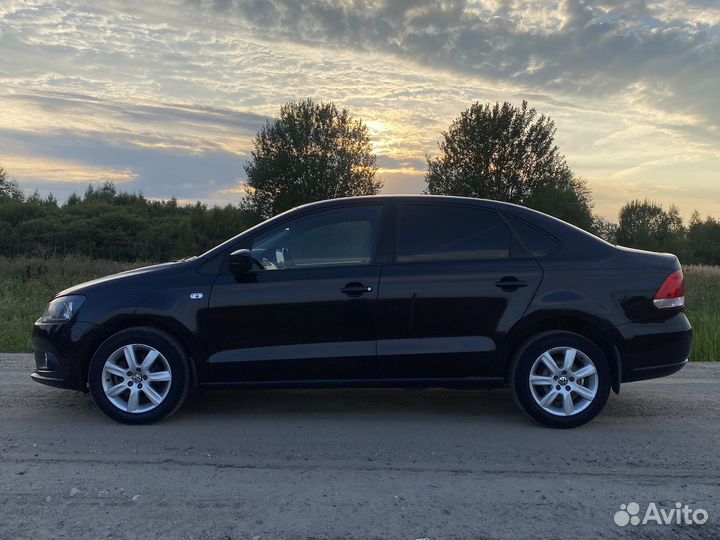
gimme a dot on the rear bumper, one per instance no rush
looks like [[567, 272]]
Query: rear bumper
[[648, 352], [60, 354], [653, 372]]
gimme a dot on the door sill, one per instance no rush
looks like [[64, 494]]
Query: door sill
[[459, 382]]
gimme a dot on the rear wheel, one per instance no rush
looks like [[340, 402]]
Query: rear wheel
[[139, 375], [561, 379]]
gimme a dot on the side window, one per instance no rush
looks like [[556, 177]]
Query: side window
[[450, 233], [326, 238], [538, 242]]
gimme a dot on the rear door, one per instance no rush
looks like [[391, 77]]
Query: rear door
[[458, 283]]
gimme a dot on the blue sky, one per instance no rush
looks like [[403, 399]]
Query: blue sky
[[165, 97]]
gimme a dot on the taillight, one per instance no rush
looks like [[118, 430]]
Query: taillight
[[672, 293]]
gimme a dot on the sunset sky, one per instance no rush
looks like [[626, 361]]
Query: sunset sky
[[164, 98]]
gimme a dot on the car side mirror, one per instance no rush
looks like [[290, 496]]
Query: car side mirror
[[241, 261]]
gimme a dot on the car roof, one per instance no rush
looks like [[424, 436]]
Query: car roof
[[413, 198]]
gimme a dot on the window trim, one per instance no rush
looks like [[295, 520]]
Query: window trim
[[396, 233]]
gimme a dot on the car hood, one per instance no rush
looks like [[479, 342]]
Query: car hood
[[128, 275]]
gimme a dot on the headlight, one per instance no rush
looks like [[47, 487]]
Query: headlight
[[62, 309]]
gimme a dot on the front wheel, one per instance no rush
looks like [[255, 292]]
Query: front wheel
[[560, 379], [139, 375]]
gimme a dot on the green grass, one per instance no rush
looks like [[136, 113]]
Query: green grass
[[27, 284], [702, 297]]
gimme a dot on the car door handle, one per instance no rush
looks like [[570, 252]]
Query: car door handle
[[510, 283], [356, 289]]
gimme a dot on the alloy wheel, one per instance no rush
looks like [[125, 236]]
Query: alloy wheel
[[563, 381], [136, 378]]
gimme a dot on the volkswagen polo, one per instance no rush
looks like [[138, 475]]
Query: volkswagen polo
[[384, 291]]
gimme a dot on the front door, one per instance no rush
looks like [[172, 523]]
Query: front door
[[458, 284], [308, 309]]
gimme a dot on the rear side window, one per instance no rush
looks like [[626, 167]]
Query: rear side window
[[538, 242], [450, 233]]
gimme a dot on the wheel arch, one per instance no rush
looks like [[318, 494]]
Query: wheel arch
[[183, 336], [589, 327]]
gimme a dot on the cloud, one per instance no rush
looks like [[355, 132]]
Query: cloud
[[205, 117], [569, 48], [155, 172], [31, 168], [174, 91], [163, 125]]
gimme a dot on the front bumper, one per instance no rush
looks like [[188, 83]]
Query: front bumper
[[61, 353]]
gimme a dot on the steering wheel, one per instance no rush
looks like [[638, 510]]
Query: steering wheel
[[264, 264]]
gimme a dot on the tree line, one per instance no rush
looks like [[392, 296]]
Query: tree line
[[314, 151], [105, 223]]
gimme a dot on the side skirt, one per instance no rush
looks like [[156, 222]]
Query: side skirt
[[463, 382]]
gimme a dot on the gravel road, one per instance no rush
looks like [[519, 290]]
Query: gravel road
[[361, 463]]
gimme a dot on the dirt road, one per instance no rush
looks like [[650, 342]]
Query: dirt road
[[370, 463]]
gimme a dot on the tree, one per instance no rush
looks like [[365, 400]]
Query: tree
[[9, 189], [106, 192], [568, 199], [108, 223], [313, 151], [605, 229], [645, 225], [507, 153], [703, 239]]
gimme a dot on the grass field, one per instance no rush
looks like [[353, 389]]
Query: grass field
[[26, 285], [702, 296]]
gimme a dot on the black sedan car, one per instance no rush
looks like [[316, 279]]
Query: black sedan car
[[387, 291]]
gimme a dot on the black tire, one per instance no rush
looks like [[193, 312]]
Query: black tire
[[523, 362], [173, 354]]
